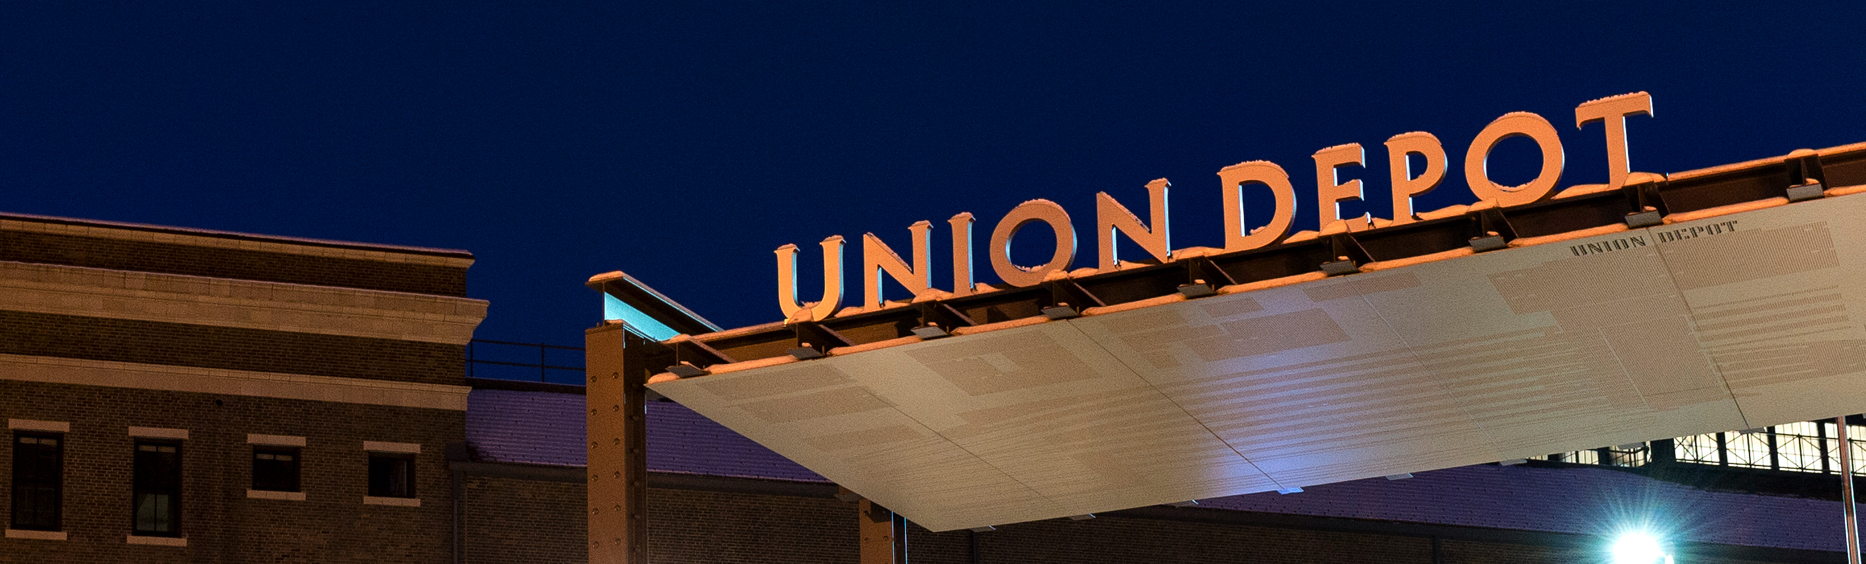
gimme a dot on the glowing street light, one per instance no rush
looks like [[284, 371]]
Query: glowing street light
[[1638, 547]]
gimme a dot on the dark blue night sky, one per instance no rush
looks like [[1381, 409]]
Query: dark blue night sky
[[683, 142]]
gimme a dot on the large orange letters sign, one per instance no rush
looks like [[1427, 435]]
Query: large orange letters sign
[[1155, 236]]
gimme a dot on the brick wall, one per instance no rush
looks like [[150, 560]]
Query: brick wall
[[694, 526], [520, 521], [176, 344], [170, 258], [221, 524]]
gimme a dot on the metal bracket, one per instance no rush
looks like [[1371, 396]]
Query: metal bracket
[[1068, 299], [1805, 192], [686, 370], [814, 337], [1492, 230], [1061, 311], [1348, 253], [938, 319], [1648, 207], [1064, 292], [697, 355], [930, 332], [1203, 271], [1647, 218], [1197, 289], [1204, 277], [1804, 168]]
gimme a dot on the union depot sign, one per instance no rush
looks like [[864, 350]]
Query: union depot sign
[[1532, 322], [1156, 236]]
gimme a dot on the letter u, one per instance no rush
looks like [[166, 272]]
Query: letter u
[[832, 281]]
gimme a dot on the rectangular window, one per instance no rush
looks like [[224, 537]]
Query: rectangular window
[[158, 489], [275, 468], [38, 480], [391, 474]]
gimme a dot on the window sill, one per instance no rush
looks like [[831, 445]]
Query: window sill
[[269, 494], [159, 541], [39, 535], [402, 501]]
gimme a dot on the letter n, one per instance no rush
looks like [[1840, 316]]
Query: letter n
[[878, 258], [1111, 216]]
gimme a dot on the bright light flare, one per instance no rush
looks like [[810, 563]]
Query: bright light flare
[[1638, 547]]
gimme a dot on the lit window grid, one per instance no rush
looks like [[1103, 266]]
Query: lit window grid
[[1603, 457], [1797, 447]]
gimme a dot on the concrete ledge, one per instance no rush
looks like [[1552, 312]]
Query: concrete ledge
[[36, 535], [55, 370], [274, 440], [158, 541], [32, 425], [283, 496], [401, 501], [380, 446], [159, 433]]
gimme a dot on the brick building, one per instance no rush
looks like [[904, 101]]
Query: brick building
[[177, 395]]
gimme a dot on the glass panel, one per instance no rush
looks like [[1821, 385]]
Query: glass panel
[[1696, 449], [157, 485], [275, 469], [1629, 458], [1798, 447], [153, 513], [38, 479], [1808, 446], [1748, 450], [391, 475]]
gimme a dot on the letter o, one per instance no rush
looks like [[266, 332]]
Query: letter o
[[1514, 124], [1025, 213]]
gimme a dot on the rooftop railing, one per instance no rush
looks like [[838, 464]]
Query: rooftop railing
[[524, 362]]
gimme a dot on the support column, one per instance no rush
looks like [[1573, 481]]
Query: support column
[[884, 535], [1852, 547], [615, 395]]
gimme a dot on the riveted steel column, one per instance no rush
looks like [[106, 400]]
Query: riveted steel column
[[884, 535], [618, 473], [1846, 493]]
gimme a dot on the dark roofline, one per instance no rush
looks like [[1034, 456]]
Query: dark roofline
[[234, 235]]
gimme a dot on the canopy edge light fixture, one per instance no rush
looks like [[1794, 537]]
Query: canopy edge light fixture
[[1638, 547]]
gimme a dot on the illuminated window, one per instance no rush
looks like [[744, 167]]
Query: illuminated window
[[1795, 447], [158, 489], [391, 474], [38, 481], [275, 468]]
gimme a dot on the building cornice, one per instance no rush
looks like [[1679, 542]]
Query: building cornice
[[234, 240], [220, 302], [71, 371]]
